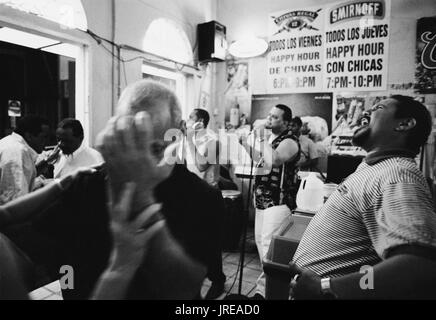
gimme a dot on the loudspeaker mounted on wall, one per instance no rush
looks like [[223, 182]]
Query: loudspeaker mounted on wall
[[212, 43]]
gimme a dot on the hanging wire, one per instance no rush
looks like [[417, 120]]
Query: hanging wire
[[124, 71], [100, 41], [145, 59], [177, 68], [235, 277]]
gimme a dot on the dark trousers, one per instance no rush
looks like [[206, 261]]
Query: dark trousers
[[215, 267], [42, 258], [16, 272]]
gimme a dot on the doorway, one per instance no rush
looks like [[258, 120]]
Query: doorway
[[39, 77]]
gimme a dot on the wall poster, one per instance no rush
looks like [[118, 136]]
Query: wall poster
[[426, 56], [295, 56], [237, 95], [336, 47]]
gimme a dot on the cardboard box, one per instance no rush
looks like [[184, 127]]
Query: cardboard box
[[281, 251]]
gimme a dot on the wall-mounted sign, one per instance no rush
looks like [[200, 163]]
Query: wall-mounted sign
[[295, 55], [356, 46], [426, 56], [337, 47], [237, 96], [14, 108]]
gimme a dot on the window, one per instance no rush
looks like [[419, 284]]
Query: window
[[176, 81], [165, 39]]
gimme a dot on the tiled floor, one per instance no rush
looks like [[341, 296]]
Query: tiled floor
[[51, 291], [251, 272]]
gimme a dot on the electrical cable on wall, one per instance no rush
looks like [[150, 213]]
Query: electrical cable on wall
[[141, 57], [125, 74], [100, 41]]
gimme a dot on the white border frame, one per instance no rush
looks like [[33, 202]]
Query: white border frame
[[29, 23], [181, 83]]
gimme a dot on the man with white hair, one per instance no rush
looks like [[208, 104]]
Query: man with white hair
[[196, 228], [134, 153]]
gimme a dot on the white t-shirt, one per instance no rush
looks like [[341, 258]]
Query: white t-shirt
[[17, 168], [202, 142], [82, 157]]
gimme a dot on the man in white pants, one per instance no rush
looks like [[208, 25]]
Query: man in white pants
[[273, 192]]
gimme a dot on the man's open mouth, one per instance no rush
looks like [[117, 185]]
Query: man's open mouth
[[364, 120]]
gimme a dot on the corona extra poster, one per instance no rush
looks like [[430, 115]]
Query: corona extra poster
[[426, 56]]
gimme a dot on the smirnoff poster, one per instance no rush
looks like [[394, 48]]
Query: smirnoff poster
[[337, 47]]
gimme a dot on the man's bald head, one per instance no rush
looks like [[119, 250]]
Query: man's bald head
[[157, 99]]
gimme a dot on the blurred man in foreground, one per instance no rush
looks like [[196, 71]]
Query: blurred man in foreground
[[76, 233]]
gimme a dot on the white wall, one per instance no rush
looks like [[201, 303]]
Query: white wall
[[239, 16], [132, 19], [244, 16], [98, 13]]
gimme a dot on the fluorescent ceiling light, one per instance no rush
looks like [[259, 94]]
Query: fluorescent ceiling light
[[24, 39], [63, 49], [29, 40], [248, 48]]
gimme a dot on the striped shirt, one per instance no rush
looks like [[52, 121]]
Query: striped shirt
[[377, 208]]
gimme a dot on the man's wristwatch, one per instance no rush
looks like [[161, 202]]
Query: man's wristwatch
[[326, 289]]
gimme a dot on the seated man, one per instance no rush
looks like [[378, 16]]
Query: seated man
[[74, 154], [76, 233], [375, 237]]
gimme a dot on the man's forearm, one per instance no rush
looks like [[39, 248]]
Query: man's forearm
[[23, 208], [271, 156], [200, 160], [114, 283], [399, 277], [250, 148]]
